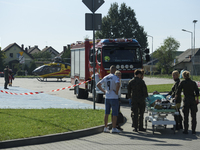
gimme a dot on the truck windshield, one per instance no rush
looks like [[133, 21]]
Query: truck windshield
[[127, 54]]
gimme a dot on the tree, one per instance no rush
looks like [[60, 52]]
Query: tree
[[66, 55], [122, 23], [2, 56], [166, 54], [32, 67], [42, 56]]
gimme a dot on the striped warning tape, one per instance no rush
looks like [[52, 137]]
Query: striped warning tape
[[32, 93]]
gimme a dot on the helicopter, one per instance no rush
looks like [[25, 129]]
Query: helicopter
[[57, 69]]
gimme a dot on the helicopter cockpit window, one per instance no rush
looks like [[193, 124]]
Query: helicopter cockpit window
[[55, 69], [46, 70]]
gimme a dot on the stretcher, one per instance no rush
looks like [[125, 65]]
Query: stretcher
[[158, 113]]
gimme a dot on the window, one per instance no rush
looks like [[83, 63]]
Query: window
[[18, 54], [11, 55], [99, 56]]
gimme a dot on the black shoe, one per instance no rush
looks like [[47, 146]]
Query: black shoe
[[135, 130], [193, 132], [119, 128], [185, 132], [142, 129], [180, 126], [175, 128]]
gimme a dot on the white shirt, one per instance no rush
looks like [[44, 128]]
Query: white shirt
[[110, 81], [119, 92]]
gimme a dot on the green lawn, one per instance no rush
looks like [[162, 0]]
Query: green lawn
[[23, 123], [159, 88], [196, 78]]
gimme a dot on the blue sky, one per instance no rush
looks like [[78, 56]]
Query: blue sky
[[60, 22]]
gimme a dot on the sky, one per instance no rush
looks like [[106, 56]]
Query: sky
[[57, 23]]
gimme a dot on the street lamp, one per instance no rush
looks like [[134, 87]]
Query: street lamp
[[191, 47], [191, 38], [194, 21], [151, 70]]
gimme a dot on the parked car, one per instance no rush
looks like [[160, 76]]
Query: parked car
[[1, 74]]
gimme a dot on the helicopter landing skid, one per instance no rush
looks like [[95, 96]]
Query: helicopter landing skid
[[45, 80]]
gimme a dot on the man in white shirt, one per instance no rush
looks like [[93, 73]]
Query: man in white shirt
[[112, 85]]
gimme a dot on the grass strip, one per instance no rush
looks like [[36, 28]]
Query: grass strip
[[159, 88], [24, 123], [195, 78]]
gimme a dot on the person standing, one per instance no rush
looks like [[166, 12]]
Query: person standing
[[190, 90], [112, 85], [137, 91], [6, 77], [177, 118]]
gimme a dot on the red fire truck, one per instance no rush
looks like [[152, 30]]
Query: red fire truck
[[125, 54]]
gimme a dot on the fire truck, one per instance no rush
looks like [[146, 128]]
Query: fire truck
[[125, 54]]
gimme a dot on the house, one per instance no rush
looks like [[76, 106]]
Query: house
[[16, 54], [151, 65], [184, 61], [33, 50], [51, 50]]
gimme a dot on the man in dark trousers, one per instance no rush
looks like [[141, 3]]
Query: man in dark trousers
[[137, 91], [177, 118], [6, 77], [190, 91]]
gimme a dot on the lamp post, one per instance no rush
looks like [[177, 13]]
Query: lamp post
[[194, 21], [191, 47], [151, 69]]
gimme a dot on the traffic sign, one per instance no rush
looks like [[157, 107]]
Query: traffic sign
[[89, 4], [21, 60], [89, 21], [21, 53]]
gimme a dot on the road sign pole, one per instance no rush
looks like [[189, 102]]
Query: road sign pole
[[94, 54], [93, 5]]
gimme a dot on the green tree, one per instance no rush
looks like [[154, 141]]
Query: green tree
[[66, 55], [122, 23], [166, 54], [2, 56], [42, 56], [32, 67]]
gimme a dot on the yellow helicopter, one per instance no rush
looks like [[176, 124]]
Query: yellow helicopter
[[57, 69]]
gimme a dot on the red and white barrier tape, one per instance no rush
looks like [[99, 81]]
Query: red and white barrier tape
[[198, 83], [32, 93]]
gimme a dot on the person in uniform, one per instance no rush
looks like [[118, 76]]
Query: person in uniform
[[190, 90], [6, 77], [112, 85], [177, 118], [137, 91]]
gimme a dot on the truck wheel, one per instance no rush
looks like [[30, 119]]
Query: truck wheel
[[126, 96], [99, 98], [79, 92], [85, 95]]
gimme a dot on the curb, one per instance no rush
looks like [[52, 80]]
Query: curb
[[53, 137]]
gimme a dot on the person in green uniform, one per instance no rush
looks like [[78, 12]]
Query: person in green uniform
[[6, 77], [177, 118], [137, 91], [190, 91]]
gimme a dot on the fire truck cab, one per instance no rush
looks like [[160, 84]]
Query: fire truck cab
[[125, 54]]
